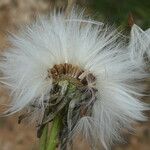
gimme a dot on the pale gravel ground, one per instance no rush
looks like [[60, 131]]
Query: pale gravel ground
[[14, 13]]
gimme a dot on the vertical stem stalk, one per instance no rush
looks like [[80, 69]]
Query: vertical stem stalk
[[43, 139], [53, 138], [51, 142]]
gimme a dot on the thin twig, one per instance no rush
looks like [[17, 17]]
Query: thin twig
[[130, 20]]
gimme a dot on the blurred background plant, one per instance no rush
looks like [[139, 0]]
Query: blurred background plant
[[117, 11], [14, 13]]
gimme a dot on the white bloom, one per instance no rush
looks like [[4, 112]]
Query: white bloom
[[94, 48]]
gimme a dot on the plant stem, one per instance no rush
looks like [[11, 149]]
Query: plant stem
[[51, 142], [53, 138], [43, 139]]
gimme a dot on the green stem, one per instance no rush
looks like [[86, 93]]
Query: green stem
[[43, 139], [51, 142], [53, 138]]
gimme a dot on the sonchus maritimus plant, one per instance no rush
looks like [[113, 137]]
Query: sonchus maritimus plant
[[78, 74]]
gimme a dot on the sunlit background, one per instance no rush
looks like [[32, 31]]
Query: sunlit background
[[14, 13]]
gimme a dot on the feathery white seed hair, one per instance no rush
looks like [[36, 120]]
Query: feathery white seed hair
[[139, 44], [93, 47]]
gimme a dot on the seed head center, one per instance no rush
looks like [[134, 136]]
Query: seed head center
[[71, 73]]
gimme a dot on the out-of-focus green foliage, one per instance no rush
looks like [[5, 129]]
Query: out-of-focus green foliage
[[117, 11]]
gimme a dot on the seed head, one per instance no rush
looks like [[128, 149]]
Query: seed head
[[80, 69]]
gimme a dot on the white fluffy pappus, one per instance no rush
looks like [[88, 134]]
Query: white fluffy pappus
[[92, 46], [139, 44]]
